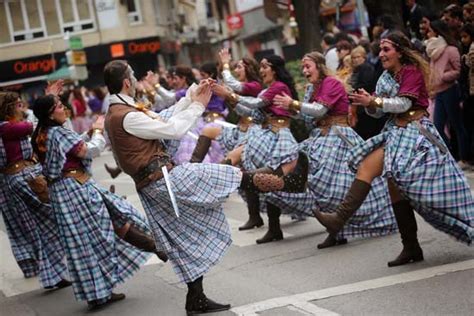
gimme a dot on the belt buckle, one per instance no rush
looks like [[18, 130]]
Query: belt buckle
[[411, 113], [280, 121], [73, 171]]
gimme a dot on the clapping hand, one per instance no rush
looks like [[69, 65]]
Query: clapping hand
[[224, 56], [152, 78], [55, 88], [202, 93], [283, 101], [360, 97]]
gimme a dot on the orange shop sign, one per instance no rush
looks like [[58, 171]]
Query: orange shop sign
[[34, 66], [151, 47]]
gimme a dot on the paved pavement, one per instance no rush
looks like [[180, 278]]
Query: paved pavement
[[289, 277]]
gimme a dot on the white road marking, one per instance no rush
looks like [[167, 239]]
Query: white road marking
[[310, 309], [302, 300]]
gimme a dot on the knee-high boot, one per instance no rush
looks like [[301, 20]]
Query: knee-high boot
[[270, 181], [406, 222], [143, 242], [354, 198], [198, 303], [253, 205], [201, 149], [274, 232]]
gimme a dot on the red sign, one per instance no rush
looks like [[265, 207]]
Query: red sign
[[235, 21]]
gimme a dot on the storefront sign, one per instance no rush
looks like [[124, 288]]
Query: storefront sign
[[235, 21], [29, 67]]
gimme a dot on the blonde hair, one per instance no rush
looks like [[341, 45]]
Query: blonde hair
[[320, 62], [359, 50]]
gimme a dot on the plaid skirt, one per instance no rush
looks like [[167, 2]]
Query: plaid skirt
[[264, 148], [38, 226], [97, 259], [330, 178], [229, 138], [431, 180], [22, 250], [198, 239], [188, 143]]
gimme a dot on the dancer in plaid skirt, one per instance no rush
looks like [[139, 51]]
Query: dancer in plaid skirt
[[27, 216], [325, 109], [270, 148], [89, 217], [21, 248], [197, 239], [248, 83], [410, 153]]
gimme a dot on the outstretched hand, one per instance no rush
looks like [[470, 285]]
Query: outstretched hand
[[99, 123], [360, 98], [283, 101], [224, 56], [55, 87], [202, 93], [152, 78]]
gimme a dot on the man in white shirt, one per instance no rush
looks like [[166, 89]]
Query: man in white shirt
[[185, 210]]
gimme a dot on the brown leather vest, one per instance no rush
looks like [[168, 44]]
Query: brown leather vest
[[133, 153]]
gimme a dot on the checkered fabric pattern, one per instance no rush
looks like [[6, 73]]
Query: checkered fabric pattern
[[229, 138], [264, 148], [97, 259], [431, 180], [38, 226], [328, 182], [22, 250], [188, 143], [3, 154], [198, 239]]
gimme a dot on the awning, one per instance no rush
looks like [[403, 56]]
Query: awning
[[61, 73]]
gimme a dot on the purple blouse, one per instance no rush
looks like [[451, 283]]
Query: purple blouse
[[412, 85], [331, 94], [180, 93], [251, 89], [216, 104], [12, 133], [276, 88]]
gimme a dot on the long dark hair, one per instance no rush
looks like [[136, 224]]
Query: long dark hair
[[185, 72], [8, 102], [42, 109], [278, 66], [442, 29]]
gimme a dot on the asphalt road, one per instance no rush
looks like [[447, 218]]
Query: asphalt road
[[289, 277]]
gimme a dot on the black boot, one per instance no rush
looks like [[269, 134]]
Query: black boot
[[331, 241], [114, 172], [60, 285], [143, 242], [253, 205], [406, 222], [201, 149], [198, 303], [274, 232], [114, 297], [294, 182], [354, 198]]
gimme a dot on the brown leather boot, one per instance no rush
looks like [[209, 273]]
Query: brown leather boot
[[114, 172], [143, 242], [274, 232], [406, 222], [331, 241], [354, 198], [253, 205], [201, 149]]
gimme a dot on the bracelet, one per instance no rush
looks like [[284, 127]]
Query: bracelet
[[295, 105], [234, 97], [157, 86], [97, 130], [376, 102], [226, 66]]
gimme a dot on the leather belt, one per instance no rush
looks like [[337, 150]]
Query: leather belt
[[245, 122], [18, 166], [276, 123], [327, 122], [79, 174], [151, 173], [211, 116], [403, 119]]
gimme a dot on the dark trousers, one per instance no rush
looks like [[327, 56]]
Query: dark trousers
[[447, 110]]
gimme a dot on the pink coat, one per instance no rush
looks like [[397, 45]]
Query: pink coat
[[445, 70]]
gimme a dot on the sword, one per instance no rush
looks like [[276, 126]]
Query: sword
[[170, 192]]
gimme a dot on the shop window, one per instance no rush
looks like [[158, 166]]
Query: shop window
[[75, 15], [134, 12], [25, 22], [51, 17]]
